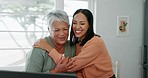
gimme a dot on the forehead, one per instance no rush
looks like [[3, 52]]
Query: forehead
[[60, 24], [80, 17]]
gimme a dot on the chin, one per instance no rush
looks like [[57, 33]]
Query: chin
[[62, 42], [78, 36]]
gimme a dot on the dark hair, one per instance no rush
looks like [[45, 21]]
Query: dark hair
[[90, 31]]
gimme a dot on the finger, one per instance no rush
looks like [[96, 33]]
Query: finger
[[35, 44], [38, 41], [71, 70], [72, 63], [71, 66], [65, 61], [41, 40], [60, 61], [72, 60]]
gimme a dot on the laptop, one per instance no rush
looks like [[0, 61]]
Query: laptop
[[17, 74]]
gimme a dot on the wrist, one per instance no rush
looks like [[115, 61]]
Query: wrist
[[55, 70], [52, 71], [49, 50]]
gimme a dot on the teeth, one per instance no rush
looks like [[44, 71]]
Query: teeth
[[78, 31], [62, 39]]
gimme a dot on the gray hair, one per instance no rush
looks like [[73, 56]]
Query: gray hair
[[57, 15]]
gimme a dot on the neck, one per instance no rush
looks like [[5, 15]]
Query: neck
[[58, 45], [80, 39]]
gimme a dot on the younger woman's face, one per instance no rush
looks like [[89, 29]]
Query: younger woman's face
[[80, 25]]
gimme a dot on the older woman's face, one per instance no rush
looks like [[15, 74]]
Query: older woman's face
[[60, 32]]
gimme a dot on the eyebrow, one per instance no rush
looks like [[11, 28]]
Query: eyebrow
[[76, 21]]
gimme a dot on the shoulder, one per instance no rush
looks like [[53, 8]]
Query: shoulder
[[95, 39], [36, 52], [69, 50], [68, 44]]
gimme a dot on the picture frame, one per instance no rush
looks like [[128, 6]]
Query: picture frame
[[122, 26]]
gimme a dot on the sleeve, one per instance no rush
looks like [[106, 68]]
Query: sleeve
[[55, 55], [88, 55], [89, 52], [34, 61], [69, 52]]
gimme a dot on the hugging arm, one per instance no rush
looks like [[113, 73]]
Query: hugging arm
[[84, 59], [43, 44], [59, 59]]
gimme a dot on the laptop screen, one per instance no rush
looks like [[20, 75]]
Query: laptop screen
[[15, 74]]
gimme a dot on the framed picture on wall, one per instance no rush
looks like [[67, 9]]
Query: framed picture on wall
[[122, 25]]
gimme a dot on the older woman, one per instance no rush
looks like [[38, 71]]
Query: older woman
[[38, 60]]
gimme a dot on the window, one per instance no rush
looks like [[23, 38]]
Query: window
[[77, 4], [70, 6], [22, 22]]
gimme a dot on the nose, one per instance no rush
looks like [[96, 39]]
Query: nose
[[78, 26], [62, 32]]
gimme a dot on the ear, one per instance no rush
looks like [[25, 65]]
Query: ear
[[49, 29]]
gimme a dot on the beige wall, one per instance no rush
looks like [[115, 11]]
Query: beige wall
[[125, 49]]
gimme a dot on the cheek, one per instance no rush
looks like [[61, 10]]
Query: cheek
[[55, 35], [66, 32], [86, 28], [73, 28]]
